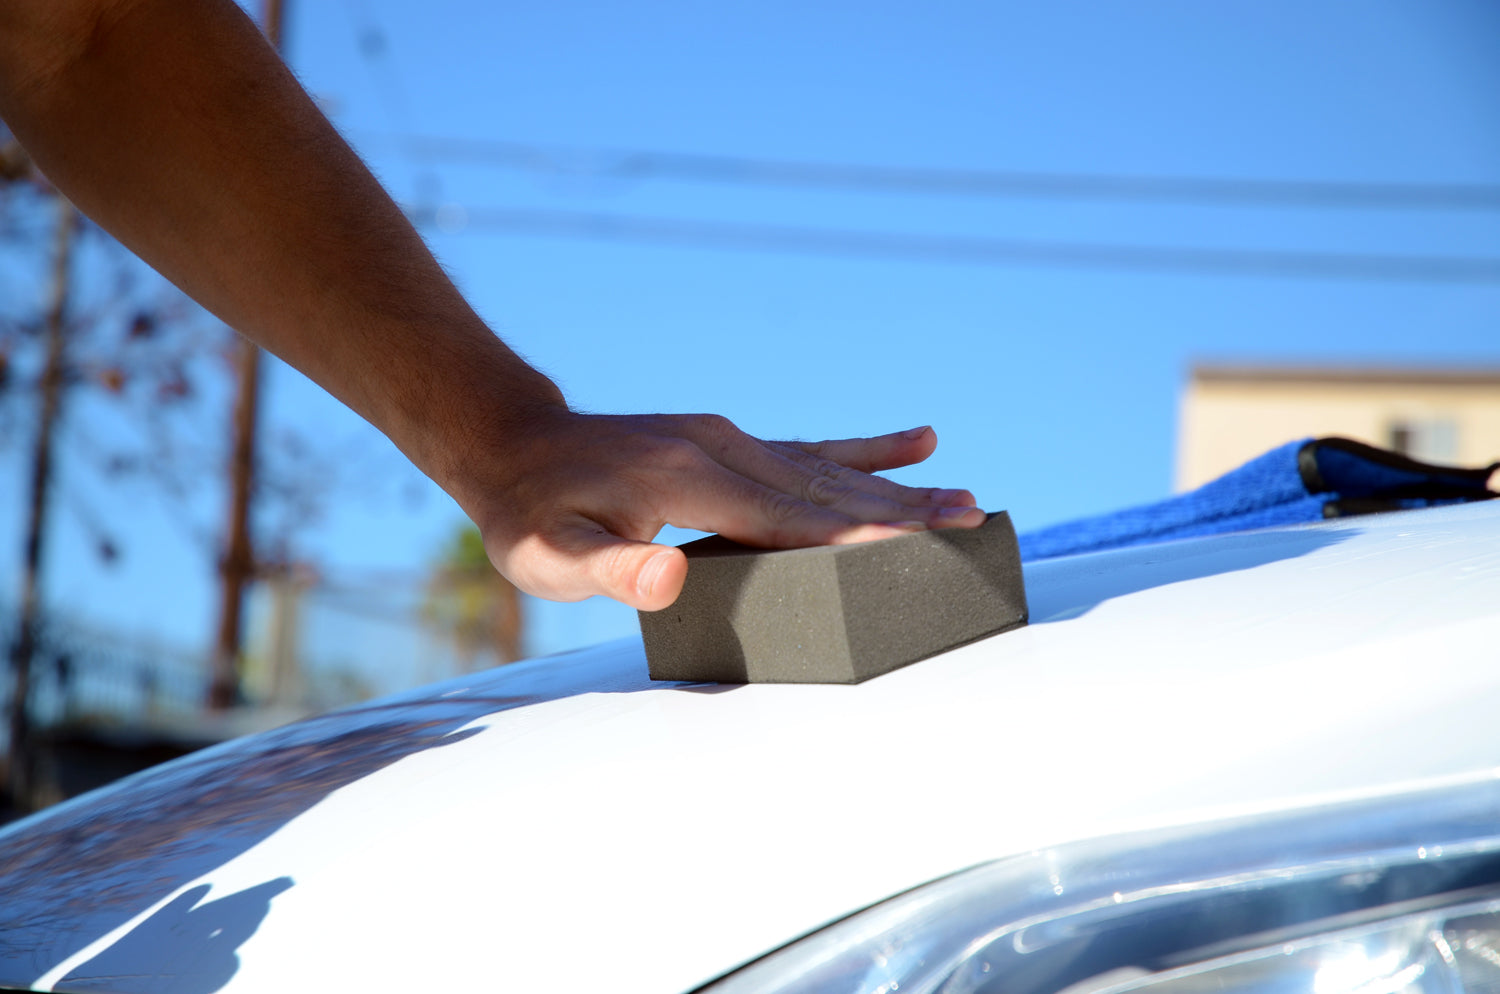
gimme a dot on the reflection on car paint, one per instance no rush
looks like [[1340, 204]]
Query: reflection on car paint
[[74, 873]]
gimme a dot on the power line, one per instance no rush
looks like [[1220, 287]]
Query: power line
[[374, 46], [957, 249], [1198, 190]]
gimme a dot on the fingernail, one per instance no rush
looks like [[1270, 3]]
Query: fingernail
[[954, 513], [645, 581], [915, 433]]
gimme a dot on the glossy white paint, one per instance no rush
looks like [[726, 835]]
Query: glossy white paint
[[631, 837]]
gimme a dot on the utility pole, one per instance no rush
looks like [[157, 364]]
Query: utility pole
[[54, 373], [237, 567]]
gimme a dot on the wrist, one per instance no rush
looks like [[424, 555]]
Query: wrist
[[474, 426]]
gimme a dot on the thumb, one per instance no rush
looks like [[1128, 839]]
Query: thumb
[[646, 576]]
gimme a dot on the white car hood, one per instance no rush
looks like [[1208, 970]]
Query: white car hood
[[565, 824]]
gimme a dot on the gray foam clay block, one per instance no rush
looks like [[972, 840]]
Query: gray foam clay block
[[838, 613]]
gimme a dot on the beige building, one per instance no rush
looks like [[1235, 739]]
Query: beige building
[[1233, 413]]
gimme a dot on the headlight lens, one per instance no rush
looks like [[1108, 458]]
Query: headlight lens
[[1397, 895], [1445, 952]]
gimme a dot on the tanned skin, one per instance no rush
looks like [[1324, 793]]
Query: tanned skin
[[175, 126]]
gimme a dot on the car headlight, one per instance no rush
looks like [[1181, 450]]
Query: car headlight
[[1394, 895]]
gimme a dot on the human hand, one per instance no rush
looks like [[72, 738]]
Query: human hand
[[571, 509]]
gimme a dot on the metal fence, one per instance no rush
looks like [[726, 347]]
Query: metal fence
[[82, 676]]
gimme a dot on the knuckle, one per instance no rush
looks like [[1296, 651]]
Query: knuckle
[[714, 434], [831, 469], [714, 426], [819, 464], [780, 508], [825, 491], [531, 565], [614, 566], [793, 454], [720, 422], [679, 455]]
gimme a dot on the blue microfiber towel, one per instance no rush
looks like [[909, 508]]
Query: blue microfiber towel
[[1306, 480]]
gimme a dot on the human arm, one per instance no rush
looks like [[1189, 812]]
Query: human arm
[[176, 127]]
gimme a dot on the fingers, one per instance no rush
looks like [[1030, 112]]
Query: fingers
[[870, 455], [647, 577], [711, 496], [805, 478], [820, 481], [924, 502], [584, 559]]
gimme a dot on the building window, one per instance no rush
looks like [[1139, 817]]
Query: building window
[[1427, 439]]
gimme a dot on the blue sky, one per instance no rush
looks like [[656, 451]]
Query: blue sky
[[1053, 390]]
